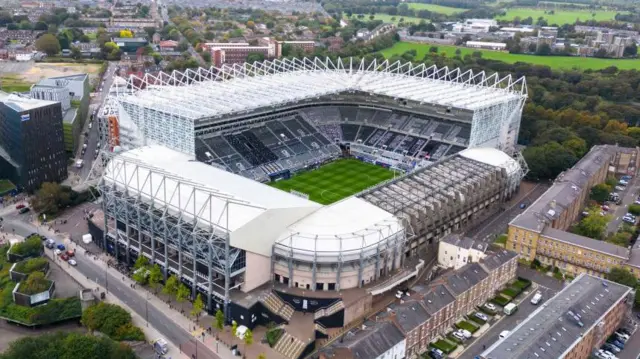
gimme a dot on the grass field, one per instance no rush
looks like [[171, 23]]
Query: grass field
[[388, 18], [336, 180], [6, 185], [559, 17], [555, 62], [13, 83], [436, 8]]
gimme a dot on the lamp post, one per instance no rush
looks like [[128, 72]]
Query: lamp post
[[146, 308]]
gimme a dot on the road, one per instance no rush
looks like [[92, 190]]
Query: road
[[93, 270], [628, 197], [102, 91], [498, 223]]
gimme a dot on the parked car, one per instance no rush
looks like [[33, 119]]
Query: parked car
[[625, 331], [523, 205], [626, 177], [619, 188], [20, 206], [57, 251], [610, 347], [71, 253], [64, 257], [465, 333], [72, 262], [490, 307], [60, 247], [482, 316], [436, 354], [459, 336], [605, 208], [24, 210], [624, 335]]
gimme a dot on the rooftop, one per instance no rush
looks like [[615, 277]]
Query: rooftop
[[464, 242], [246, 87], [437, 298], [586, 242], [559, 323], [464, 279], [565, 190], [21, 103], [371, 342], [496, 260], [410, 315]]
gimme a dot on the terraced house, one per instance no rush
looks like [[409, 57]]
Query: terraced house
[[429, 311], [541, 232]]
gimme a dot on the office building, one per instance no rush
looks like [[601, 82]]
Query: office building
[[31, 141]]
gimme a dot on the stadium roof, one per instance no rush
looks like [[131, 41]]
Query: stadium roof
[[215, 92], [238, 206]]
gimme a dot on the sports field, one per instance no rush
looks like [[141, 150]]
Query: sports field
[[555, 62], [336, 180], [447, 10], [559, 17]]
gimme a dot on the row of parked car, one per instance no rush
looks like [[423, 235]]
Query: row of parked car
[[614, 345], [60, 251]]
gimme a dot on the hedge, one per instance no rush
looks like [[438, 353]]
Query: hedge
[[522, 283], [31, 265], [444, 345], [273, 336], [500, 300], [473, 318], [467, 326]]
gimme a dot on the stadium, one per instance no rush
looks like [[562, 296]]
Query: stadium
[[284, 186]]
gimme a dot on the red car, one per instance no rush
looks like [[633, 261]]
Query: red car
[[64, 257], [20, 206], [71, 253]]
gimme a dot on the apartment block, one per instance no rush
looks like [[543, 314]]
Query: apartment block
[[541, 231], [429, 311], [573, 324]]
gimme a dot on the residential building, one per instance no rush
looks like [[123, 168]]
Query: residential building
[[238, 54], [474, 25], [430, 310], [31, 141], [456, 251], [168, 45], [540, 232], [73, 94], [373, 340], [572, 324], [130, 44]]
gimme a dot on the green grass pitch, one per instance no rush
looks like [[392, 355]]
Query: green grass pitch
[[336, 180]]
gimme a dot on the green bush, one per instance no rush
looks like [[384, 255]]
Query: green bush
[[467, 326], [31, 265], [521, 284], [32, 246], [34, 284], [444, 345], [558, 276], [111, 320], [473, 318], [510, 292], [273, 336], [129, 332], [634, 209], [67, 345]]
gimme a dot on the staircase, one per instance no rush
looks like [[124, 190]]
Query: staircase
[[277, 306], [289, 346], [325, 312]]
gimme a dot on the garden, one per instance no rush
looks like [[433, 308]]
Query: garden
[[469, 326], [30, 247], [31, 265], [508, 294], [57, 309], [444, 345]]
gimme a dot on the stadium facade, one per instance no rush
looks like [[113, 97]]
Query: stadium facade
[[183, 187]]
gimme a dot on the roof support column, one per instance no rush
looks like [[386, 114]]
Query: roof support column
[[339, 271], [227, 270], [210, 278], [166, 247], [376, 274], [361, 264], [315, 266], [128, 234]]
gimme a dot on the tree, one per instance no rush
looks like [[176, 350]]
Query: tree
[[600, 192], [76, 53], [593, 225], [41, 26], [251, 24], [126, 33], [141, 275], [255, 57], [634, 209], [262, 356], [182, 293], [622, 276], [141, 262], [543, 49], [248, 339], [219, 321], [48, 44], [234, 330], [111, 320], [171, 286], [67, 345], [198, 306], [50, 198], [155, 277]]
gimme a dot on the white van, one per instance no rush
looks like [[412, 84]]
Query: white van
[[510, 308], [536, 298]]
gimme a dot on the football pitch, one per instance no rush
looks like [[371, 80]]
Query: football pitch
[[336, 180]]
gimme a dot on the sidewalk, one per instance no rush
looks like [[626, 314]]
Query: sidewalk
[[150, 332]]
